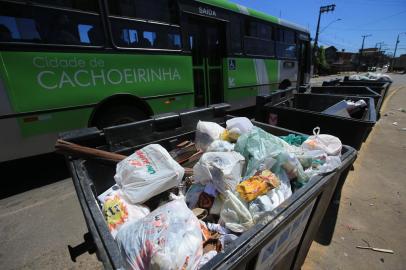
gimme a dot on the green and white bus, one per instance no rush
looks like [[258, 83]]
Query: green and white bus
[[68, 64]]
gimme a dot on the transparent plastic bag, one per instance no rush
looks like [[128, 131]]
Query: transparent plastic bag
[[235, 214], [222, 169], [330, 164], [147, 172], [192, 195], [266, 151], [220, 146], [206, 133], [168, 238]]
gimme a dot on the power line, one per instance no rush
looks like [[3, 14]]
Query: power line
[[367, 30], [336, 37], [337, 44], [383, 18]]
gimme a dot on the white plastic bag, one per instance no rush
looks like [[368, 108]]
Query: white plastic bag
[[239, 125], [272, 199], [148, 172], [117, 211], [222, 169], [168, 238], [328, 143], [330, 164], [206, 133], [235, 214]]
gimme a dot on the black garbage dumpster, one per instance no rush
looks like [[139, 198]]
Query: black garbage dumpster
[[379, 87], [304, 112], [280, 240], [360, 91]]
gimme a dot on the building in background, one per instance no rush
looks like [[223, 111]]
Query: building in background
[[372, 58], [399, 63], [340, 61]]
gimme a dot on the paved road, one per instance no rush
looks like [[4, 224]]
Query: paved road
[[36, 226]]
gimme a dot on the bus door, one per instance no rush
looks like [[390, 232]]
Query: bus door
[[207, 42], [304, 60]]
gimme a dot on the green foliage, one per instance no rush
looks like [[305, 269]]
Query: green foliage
[[321, 59], [321, 63]]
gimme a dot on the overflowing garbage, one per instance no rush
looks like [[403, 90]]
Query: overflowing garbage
[[371, 76], [220, 186]]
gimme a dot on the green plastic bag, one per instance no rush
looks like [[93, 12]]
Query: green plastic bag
[[293, 139], [262, 151]]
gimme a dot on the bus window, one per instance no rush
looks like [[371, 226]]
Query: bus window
[[255, 46], [128, 38], [286, 45], [289, 37], [85, 33], [174, 41], [18, 29], [34, 24], [148, 39], [134, 34], [156, 10], [258, 39], [258, 29], [235, 35]]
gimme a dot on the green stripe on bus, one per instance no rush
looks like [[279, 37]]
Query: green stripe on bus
[[240, 9], [43, 80]]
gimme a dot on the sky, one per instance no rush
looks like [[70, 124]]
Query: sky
[[383, 19]]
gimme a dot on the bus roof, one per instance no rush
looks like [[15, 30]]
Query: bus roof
[[251, 12]]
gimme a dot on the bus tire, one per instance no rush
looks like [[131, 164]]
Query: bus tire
[[117, 115], [284, 84]]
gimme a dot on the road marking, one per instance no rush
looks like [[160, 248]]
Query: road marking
[[385, 102], [372, 133]]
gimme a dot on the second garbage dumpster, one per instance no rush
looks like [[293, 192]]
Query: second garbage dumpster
[[381, 88], [304, 112], [360, 91], [280, 240]]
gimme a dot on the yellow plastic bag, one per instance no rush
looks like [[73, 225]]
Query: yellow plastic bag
[[257, 185]]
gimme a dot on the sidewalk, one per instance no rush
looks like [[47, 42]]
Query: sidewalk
[[372, 209]]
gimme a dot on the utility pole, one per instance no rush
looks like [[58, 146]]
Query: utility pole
[[323, 9], [362, 49], [396, 47], [379, 55]]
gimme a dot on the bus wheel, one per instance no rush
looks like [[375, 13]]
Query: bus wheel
[[117, 115], [284, 84]]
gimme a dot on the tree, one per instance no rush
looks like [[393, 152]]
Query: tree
[[323, 66]]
